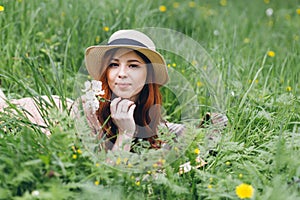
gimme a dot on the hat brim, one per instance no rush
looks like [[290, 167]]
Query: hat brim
[[94, 55]]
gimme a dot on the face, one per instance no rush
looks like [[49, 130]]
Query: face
[[126, 74]]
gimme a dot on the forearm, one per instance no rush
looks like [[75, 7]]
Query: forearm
[[123, 142]]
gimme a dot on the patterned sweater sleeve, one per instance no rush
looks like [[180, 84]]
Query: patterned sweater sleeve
[[178, 129]]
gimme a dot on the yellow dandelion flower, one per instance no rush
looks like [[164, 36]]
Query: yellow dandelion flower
[[246, 40], [137, 183], [223, 2], [96, 182], [298, 11], [267, 1], [244, 191], [240, 175], [74, 156], [192, 4], [1, 8], [162, 8], [174, 65], [97, 164], [175, 4], [129, 165], [118, 161], [194, 63], [271, 54], [155, 165], [79, 151], [106, 28], [209, 186], [162, 161], [197, 151], [149, 172], [288, 88], [227, 163], [199, 84], [97, 40], [169, 65], [270, 23], [256, 81]]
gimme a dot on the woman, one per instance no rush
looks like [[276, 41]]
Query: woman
[[131, 71]]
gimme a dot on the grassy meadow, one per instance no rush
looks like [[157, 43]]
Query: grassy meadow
[[255, 45]]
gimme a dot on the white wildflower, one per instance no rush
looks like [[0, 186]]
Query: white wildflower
[[92, 90], [87, 86], [92, 104], [90, 95], [97, 87], [35, 193], [269, 12], [216, 32]]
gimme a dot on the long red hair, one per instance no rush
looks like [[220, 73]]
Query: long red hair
[[147, 114]]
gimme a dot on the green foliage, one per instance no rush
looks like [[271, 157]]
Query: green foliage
[[42, 48]]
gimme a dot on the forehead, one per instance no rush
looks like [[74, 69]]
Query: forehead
[[126, 53]]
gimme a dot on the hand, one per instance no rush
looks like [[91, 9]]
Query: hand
[[122, 115]]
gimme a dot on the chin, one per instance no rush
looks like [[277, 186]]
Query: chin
[[124, 96]]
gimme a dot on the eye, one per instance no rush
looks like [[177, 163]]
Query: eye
[[133, 66], [113, 65]]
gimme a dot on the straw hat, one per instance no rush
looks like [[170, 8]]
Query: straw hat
[[128, 39]]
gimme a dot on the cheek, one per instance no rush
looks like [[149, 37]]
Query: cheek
[[144, 76], [110, 78]]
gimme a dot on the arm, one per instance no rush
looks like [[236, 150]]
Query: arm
[[122, 116]]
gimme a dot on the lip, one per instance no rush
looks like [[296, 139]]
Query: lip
[[123, 85]]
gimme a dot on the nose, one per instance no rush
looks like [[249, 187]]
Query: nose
[[122, 71]]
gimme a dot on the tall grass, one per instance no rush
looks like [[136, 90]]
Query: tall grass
[[42, 49]]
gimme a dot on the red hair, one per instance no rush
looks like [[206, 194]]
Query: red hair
[[147, 114]]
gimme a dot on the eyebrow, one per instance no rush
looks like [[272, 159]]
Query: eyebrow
[[133, 60]]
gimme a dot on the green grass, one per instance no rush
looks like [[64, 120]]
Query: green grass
[[42, 48]]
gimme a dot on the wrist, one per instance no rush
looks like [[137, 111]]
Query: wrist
[[123, 141], [129, 133]]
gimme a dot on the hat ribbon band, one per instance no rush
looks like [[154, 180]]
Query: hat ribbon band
[[125, 41]]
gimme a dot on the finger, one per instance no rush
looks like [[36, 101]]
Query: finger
[[113, 105], [131, 110], [124, 105]]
